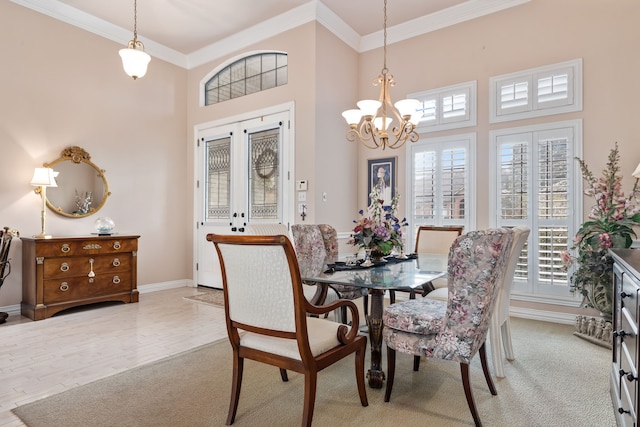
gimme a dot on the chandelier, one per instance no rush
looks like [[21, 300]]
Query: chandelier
[[370, 122], [134, 58]]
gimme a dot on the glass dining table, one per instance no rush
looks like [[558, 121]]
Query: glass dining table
[[394, 274]]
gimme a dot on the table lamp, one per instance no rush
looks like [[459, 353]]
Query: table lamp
[[636, 173], [43, 178]]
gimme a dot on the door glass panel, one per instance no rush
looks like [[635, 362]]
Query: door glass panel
[[218, 182], [265, 175]]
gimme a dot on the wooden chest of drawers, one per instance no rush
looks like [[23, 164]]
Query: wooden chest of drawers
[[61, 273], [626, 352]]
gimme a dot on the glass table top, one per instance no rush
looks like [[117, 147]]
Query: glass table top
[[391, 275]]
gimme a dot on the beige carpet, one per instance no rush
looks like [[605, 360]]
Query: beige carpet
[[213, 297], [556, 380]]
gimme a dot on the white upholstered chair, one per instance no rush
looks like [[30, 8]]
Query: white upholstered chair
[[267, 317], [432, 240], [315, 294], [500, 327]]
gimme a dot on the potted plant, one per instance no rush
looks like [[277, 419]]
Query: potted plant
[[380, 231], [610, 225]]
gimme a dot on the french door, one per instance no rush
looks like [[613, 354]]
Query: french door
[[244, 170]]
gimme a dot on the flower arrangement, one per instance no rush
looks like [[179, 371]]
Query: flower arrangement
[[610, 225], [381, 230]]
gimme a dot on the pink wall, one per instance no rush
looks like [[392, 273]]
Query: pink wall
[[63, 86]]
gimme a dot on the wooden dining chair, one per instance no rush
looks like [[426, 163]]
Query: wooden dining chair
[[316, 294], [433, 240], [266, 315], [454, 330]]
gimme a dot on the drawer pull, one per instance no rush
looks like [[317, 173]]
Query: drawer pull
[[65, 248], [91, 273], [64, 286], [116, 262], [116, 245], [116, 280], [64, 267]]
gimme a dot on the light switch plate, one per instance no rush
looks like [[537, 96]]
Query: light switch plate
[[301, 185]]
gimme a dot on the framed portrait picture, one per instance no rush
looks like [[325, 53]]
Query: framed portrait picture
[[382, 172]]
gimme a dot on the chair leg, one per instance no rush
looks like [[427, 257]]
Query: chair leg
[[506, 339], [416, 363], [283, 375], [496, 348], [464, 370], [238, 365], [310, 382], [392, 297], [343, 315], [391, 372], [485, 369], [362, 390]]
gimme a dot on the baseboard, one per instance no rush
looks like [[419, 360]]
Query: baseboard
[[163, 286], [11, 310], [543, 315]]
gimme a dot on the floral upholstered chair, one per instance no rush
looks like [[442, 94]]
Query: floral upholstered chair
[[330, 239], [500, 328], [456, 329], [312, 256]]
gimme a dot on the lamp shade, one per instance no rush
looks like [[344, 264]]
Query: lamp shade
[[134, 61], [377, 122], [369, 107], [44, 177], [352, 116], [407, 107]]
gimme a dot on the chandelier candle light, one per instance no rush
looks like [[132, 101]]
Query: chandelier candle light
[[369, 123], [134, 59]]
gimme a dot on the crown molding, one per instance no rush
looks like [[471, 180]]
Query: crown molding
[[308, 12], [445, 18], [102, 28]]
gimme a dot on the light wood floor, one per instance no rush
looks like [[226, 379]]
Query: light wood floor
[[39, 359]]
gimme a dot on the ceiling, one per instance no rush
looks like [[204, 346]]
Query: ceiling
[[189, 32]]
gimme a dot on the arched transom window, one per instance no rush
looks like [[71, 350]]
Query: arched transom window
[[253, 73]]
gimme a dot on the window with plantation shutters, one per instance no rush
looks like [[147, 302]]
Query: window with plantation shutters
[[536, 92], [537, 184], [447, 108], [441, 171]]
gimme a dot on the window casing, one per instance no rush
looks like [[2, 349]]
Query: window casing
[[537, 184], [440, 175], [447, 108], [536, 92], [246, 75]]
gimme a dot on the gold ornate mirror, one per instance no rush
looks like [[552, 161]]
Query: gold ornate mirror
[[82, 187]]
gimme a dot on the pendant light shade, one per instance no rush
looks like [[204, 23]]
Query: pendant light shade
[[134, 59]]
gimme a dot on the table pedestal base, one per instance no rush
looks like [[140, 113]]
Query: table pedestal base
[[376, 375]]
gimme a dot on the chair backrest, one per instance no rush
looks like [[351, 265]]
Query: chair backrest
[[6, 237], [520, 236], [436, 240], [261, 283], [477, 262], [267, 229], [330, 240], [309, 246]]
